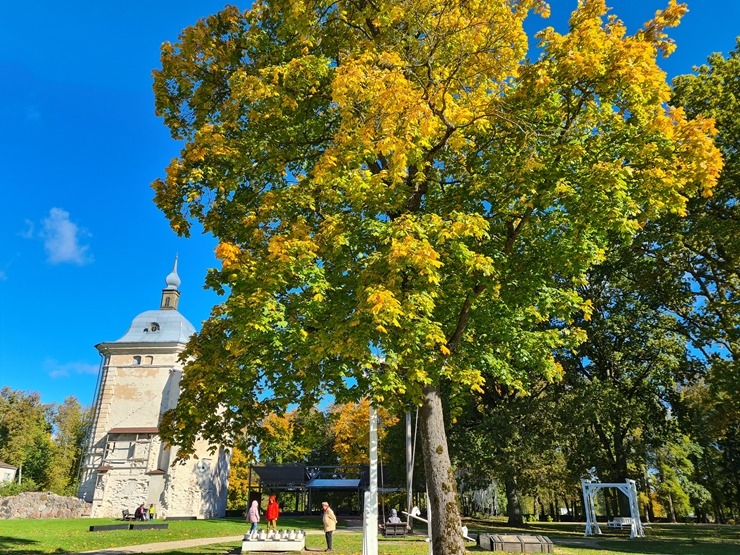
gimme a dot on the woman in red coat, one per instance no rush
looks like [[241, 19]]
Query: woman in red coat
[[272, 513]]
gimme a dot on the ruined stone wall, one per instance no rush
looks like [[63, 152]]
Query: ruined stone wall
[[42, 505]]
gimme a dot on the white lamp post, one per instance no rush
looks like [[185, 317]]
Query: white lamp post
[[370, 525]]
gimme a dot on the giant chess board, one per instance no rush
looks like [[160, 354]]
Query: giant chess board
[[282, 540]]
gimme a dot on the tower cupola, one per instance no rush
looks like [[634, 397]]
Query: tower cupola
[[170, 294]]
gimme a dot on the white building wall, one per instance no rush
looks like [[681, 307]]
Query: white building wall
[[134, 396], [7, 474]]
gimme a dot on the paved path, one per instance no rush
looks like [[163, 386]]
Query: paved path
[[163, 546], [170, 546]]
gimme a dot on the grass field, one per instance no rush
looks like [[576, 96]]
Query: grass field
[[36, 537]]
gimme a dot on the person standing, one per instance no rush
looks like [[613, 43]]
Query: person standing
[[253, 516], [152, 512], [330, 524], [272, 513]]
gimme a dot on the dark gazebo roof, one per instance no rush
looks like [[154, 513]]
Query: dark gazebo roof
[[325, 478], [281, 475]]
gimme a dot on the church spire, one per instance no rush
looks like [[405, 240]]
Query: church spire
[[170, 294]]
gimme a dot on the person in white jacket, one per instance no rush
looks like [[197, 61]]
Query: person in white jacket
[[253, 516]]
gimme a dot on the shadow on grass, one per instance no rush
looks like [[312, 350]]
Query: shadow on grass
[[202, 550], [661, 547], [8, 543]]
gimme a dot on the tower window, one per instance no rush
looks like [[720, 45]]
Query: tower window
[[148, 359], [137, 360]]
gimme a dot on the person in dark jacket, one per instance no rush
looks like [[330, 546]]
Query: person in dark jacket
[[140, 512]]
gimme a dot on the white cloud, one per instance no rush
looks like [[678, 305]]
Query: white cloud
[[62, 239], [4, 273], [29, 232], [56, 369]]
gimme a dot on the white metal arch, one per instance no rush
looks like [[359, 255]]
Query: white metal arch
[[590, 489]]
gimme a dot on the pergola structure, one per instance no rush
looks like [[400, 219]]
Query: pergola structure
[[307, 481], [628, 488]]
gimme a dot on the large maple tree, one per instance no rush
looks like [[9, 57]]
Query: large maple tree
[[396, 178]]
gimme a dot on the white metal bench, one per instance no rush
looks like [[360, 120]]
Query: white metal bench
[[620, 522]]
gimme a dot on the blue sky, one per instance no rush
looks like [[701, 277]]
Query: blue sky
[[83, 249]]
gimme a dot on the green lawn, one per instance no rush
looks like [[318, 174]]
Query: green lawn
[[36, 537], [661, 539]]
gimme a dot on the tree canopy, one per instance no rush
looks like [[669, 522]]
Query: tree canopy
[[44, 440], [398, 178]]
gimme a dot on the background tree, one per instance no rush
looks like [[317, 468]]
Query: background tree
[[715, 467], [350, 426], [299, 436], [239, 475], [25, 434], [689, 269], [70, 421], [514, 438], [621, 382], [706, 246], [396, 178], [675, 477], [46, 441], [277, 446]]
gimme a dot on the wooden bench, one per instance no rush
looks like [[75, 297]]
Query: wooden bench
[[620, 522], [131, 526], [128, 515], [395, 529]]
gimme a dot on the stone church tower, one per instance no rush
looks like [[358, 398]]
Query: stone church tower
[[126, 463]]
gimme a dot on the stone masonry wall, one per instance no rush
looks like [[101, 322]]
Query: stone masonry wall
[[42, 505]]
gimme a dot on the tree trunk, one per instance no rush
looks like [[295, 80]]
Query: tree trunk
[[513, 508], [445, 518], [607, 502], [671, 510], [649, 513]]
